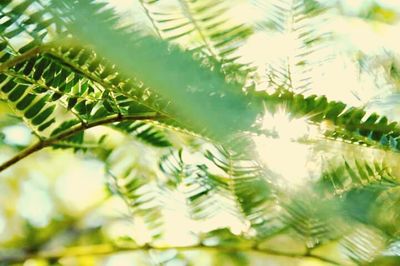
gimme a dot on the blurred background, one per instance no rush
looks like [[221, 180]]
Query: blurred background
[[60, 206]]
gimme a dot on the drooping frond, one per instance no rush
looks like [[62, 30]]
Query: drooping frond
[[151, 190], [352, 176], [365, 191], [146, 132], [201, 26], [207, 196], [253, 193], [315, 223], [302, 46]]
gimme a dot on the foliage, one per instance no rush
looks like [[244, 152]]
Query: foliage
[[210, 149]]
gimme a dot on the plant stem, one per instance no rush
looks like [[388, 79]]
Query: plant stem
[[108, 249], [189, 15], [23, 57], [153, 23], [72, 131]]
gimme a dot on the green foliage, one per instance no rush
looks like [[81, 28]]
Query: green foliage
[[208, 24], [184, 114]]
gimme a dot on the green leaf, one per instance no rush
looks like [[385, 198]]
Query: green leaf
[[35, 108], [25, 102], [42, 116], [17, 92]]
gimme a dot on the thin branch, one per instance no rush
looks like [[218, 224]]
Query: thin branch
[[72, 131], [104, 84], [40, 49], [23, 57], [46, 49], [108, 249]]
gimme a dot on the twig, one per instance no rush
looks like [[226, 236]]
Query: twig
[[23, 57], [72, 131]]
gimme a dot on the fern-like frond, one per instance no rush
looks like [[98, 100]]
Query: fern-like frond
[[137, 184], [146, 132], [201, 26], [44, 79], [248, 182], [68, 76], [314, 220], [337, 120], [197, 84], [363, 244], [355, 175], [294, 23], [208, 196], [25, 26]]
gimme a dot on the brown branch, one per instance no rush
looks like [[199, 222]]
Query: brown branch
[[41, 48], [23, 57], [108, 249], [72, 131], [113, 88], [101, 82], [47, 49]]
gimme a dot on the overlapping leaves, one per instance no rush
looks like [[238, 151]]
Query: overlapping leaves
[[54, 87]]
